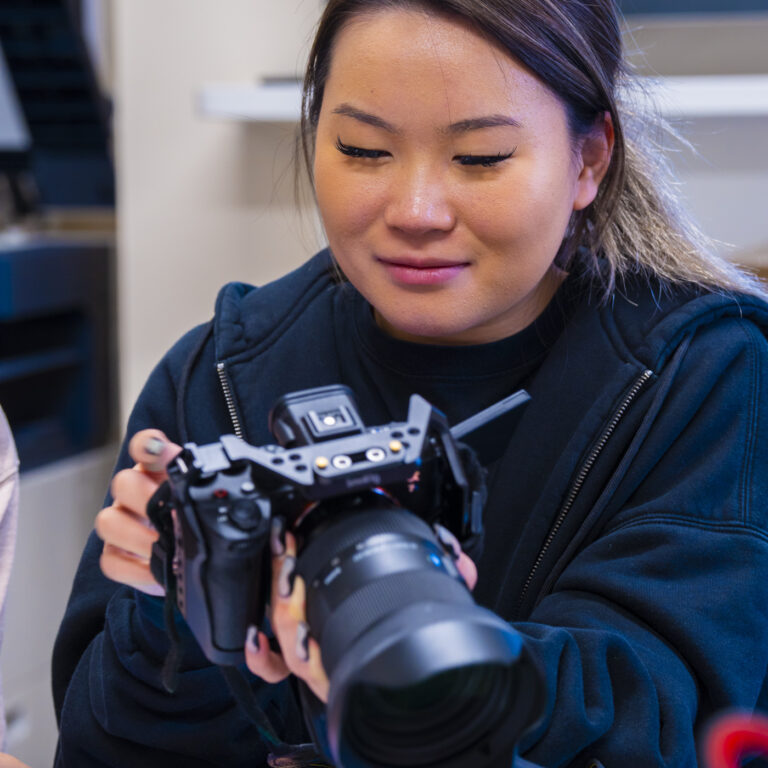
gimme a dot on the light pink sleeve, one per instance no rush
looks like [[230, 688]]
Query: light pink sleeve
[[9, 503]]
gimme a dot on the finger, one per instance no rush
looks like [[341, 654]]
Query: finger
[[316, 678], [447, 540], [262, 660], [295, 603], [300, 652], [132, 489], [464, 563], [8, 761], [152, 450], [284, 614], [125, 530], [125, 568], [283, 566], [277, 536], [468, 570]]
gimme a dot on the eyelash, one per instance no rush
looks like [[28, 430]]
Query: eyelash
[[485, 161], [369, 154]]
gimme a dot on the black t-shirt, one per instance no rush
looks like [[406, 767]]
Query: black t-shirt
[[458, 380]]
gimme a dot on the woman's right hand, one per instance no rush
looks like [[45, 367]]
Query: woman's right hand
[[124, 527], [8, 761]]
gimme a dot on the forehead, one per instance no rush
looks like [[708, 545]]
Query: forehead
[[399, 56]]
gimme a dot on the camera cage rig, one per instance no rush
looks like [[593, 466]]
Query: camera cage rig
[[347, 458], [226, 495]]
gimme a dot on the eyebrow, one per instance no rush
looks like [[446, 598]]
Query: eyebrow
[[365, 117], [462, 126], [489, 121]]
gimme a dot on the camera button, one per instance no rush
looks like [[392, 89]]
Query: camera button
[[245, 514], [342, 461], [375, 454]]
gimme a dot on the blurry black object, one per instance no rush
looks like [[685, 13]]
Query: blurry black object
[[67, 119], [56, 372], [419, 674], [691, 6]]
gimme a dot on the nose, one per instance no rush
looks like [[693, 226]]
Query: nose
[[419, 203]]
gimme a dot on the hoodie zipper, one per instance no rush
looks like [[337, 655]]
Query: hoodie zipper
[[581, 477], [226, 388]]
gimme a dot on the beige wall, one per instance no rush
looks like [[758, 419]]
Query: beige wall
[[200, 202]]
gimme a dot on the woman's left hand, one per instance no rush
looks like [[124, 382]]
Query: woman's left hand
[[300, 652]]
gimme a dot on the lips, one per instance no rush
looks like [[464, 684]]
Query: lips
[[422, 271], [421, 263]]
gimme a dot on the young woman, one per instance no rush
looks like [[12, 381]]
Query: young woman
[[498, 224]]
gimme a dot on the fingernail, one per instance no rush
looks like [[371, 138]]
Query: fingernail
[[449, 542], [302, 641], [285, 580], [154, 446], [252, 639], [277, 536]]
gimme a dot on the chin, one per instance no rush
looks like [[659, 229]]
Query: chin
[[427, 330]]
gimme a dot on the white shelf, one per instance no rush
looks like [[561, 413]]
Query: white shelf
[[689, 97], [713, 96], [268, 103]]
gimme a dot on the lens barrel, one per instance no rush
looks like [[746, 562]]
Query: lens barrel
[[420, 675]]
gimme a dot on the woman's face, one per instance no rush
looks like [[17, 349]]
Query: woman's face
[[445, 176]]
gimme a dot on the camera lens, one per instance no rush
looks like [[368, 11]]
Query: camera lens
[[428, 722], [420, 675]]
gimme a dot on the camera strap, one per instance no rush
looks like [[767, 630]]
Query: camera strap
[[281, 755], [161, 565]]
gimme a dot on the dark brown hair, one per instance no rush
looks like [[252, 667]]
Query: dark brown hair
[[635, 224]]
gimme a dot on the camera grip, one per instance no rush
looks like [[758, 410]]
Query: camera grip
[[223, 577]]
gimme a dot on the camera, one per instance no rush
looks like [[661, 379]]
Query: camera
[[419, 674]]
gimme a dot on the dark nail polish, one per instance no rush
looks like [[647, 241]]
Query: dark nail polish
[[287, 576], [277, 536], [448, 541], [252, 638], [302, 641]]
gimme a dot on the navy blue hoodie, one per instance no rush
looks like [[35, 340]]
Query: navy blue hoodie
[[626, 527]]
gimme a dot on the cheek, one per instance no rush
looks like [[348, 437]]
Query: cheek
[[348, 202], [531, 210], [330, 196]]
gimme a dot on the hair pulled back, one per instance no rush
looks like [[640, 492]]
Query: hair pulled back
[[636, 223]]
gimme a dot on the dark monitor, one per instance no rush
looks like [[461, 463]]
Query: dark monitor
[[54, 122], [693, 6]]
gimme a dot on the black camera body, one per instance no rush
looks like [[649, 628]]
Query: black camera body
[[227, 494], [419, 674]]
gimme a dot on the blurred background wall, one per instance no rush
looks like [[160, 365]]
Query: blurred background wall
[[203, 194], [199, 201]]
